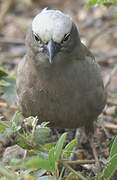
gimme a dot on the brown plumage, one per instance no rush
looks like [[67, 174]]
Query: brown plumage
[[66, 90]]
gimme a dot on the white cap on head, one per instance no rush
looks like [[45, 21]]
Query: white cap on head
[[51, 24]]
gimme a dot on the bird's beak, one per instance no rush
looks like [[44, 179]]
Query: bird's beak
[[52, 49]]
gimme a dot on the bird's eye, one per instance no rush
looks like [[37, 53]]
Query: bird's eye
[[66, 37], [36, 37]]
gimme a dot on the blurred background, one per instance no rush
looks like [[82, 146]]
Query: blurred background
[[98, 31]]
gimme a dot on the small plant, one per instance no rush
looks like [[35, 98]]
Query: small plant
[[42, 156], [51, 160], [7, 87], [111, 165], [101, 2]]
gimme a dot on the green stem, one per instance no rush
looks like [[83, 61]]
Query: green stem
[[61, 174], [75, 172], [5, 172]]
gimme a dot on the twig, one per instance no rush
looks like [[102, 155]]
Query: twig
[[110, 126], [114, 70], [105, 131], [81, 162], [110, 102], [5, 105], [61, 173], [34, 124], [78, 174], [94, 151], [11, 41]]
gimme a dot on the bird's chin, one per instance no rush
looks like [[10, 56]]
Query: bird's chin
[[43, 60]]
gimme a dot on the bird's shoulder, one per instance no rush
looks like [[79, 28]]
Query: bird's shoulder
[[86, 52], [24, 71]]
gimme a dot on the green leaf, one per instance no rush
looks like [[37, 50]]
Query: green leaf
[[37, 163], [92, 2], [110, 167], [52, 159], [44, 124], [59, 146], [45, 178], [101, 2], [7, 174], [48, 146], [113, 148], [16, 121], [23, 142], [3, 126], [72, 176], [69, 148], [115, 15], [42, 135], [3, 72], [9, 91], [4, 83]]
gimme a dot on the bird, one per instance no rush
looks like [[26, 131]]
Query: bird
[[59, 80]]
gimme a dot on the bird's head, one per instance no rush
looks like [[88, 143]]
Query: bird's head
[[53, 33]]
